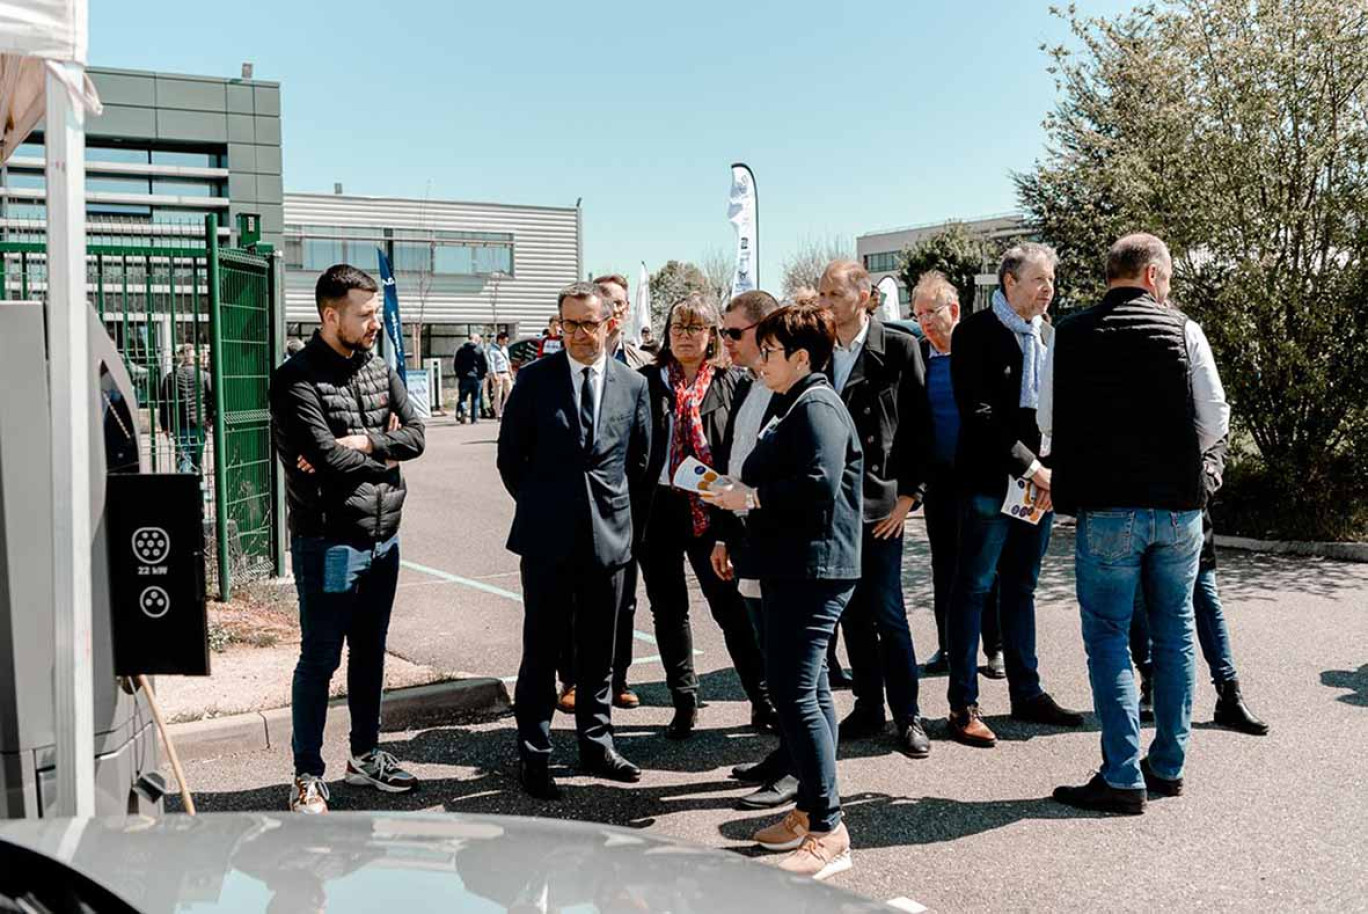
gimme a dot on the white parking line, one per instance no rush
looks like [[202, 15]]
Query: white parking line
[[905, 904]]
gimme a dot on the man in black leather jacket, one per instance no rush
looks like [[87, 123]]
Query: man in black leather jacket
[[342, 422]]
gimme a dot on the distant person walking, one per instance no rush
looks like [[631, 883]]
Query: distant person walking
[[342, 422], [186, 410], [500, 373], [470, 366]]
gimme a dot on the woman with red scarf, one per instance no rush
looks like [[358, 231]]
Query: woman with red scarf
[[691, 399]]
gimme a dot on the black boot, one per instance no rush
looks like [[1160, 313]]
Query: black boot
[[1146, 699], [1232, 712], [682, 727]]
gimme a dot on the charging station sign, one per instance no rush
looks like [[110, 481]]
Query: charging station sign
[[156, 570]]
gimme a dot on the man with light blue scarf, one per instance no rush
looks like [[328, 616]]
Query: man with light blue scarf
[[997, 363]]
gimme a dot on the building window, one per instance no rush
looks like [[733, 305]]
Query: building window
[[883, 262], [316, 247]]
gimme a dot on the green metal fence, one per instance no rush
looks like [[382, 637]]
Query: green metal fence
[[156, 294]]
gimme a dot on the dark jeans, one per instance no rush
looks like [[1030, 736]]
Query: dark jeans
[[993, 544], [553, 594], [800, 618], [1212, 633], [942, 510], [622, 644], [345, 594], [878, 640], [189, 449], [668, 542], [469, 389]]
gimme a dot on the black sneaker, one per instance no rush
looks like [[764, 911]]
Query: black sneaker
[[380, 770], [1165, 787], [1098, 795], [1043, 710]]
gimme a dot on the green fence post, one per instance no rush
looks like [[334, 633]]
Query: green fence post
[[216, 353], [277, 306]]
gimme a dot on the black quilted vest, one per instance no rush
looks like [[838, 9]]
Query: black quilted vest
[[1124, 429], [355, 394]]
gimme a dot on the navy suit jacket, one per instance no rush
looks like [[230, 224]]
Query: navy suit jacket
[[574, 504]]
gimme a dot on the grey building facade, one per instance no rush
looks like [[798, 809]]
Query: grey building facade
[[167, 149], [881, 252]]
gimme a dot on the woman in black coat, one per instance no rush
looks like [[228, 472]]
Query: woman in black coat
[[801, 489], [691, 397]]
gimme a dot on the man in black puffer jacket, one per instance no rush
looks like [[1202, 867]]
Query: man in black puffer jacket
[[342, 422]]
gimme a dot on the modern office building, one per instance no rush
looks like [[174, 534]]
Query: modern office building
[[167, 149], [881, 252], [460, 267]]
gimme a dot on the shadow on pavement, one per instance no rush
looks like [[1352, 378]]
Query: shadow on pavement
[[881, 820], [1356, 681]]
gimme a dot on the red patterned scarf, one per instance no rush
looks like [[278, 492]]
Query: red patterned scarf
[[688, 438]]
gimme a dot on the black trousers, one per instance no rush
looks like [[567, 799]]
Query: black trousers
[[669, 541], [622, 646], [553, 594], [942, 509]]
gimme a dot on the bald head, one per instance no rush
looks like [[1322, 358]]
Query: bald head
[[1140, 260]]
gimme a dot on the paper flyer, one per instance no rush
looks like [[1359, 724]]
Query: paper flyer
[[697, 477], [1022, 500]]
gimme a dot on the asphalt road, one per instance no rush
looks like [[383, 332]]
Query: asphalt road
[[1277, 822]]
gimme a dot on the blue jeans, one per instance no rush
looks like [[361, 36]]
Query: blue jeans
[[189, 449], [993, 545], [1212, 633], [345, 594], [1118, 551], [878, 641], [800, 619], [468, 389]]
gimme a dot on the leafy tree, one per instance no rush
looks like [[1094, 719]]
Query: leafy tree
[[957, 252], [805, 265], [1236, 130], [670, 284]]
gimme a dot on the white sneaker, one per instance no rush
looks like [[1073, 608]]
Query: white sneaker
[[309, 795]]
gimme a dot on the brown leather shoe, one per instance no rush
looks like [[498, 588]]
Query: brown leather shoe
[[566, 703], [625, 698], [967, 726]]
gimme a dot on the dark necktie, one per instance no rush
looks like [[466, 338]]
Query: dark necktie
[[587, 409]]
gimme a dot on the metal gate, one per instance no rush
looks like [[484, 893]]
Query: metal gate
[[201, 382]]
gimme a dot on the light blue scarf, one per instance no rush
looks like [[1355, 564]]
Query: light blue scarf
[[1032, 348]]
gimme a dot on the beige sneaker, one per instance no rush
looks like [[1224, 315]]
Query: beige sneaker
[[309, 795], [784, 835], [820, 855]]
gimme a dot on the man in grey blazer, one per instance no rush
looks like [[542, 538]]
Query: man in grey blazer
[[573, 449]]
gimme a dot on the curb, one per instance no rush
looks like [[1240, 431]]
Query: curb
[[400, 709], [1344, 552]]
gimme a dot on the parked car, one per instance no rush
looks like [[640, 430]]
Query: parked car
[[400, 862]]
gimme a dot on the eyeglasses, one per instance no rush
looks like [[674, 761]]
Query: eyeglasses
[[688, 329], [734, 334], [926, 315], [572, 327], [767, 351]]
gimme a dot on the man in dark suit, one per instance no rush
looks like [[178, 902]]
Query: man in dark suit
[[880, 376], [573, 446], [996, 370]]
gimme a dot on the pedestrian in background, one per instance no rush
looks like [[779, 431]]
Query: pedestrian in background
[[186, 410], [342, 422], [500, 373], [470, 368]]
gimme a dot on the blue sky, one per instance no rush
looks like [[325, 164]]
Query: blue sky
[[854, 117]]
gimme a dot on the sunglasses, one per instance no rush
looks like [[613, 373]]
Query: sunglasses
[[734, 334]]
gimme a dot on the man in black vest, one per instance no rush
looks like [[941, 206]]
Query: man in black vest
[[879, 374], [342, 421], [996, 368], [1130, 401], [573, 448]]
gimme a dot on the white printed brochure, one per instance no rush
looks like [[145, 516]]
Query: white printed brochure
[[697, 477], [1023, 500]]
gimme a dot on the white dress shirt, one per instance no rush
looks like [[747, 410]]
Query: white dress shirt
[[1208, 396], [843, 358], [746, 430], [596, 371]]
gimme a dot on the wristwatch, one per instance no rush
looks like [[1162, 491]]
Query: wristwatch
[[752, 500]]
